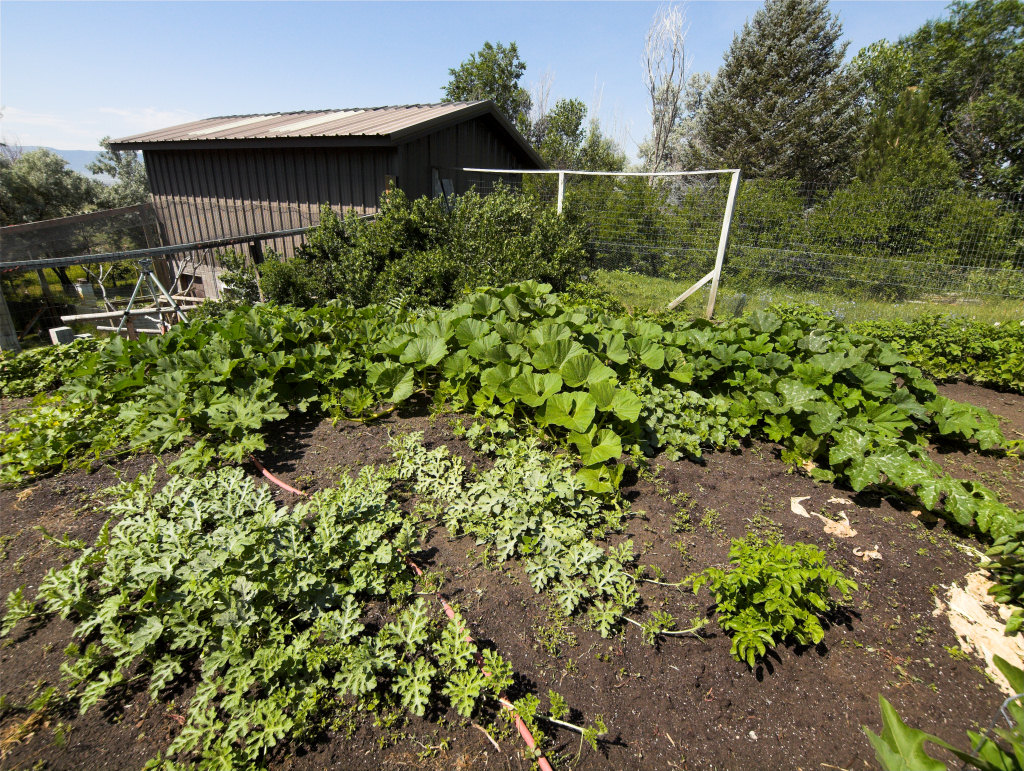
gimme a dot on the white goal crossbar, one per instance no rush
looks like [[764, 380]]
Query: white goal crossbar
[[715, 275]]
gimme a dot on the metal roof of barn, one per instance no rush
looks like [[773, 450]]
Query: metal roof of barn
[[360, 125]]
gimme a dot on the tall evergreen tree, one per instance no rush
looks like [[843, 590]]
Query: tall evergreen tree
[[907, 147], [972, 66], [783, 105]]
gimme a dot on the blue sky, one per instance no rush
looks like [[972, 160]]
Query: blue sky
[[71, 72]]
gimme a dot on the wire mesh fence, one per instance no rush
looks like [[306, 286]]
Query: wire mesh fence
[[858, 250], [861, 251], [41, 289]]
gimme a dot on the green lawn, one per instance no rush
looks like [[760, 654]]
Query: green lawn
[[648, 293]]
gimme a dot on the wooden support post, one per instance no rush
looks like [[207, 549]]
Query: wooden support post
[[723, 241], [8, 335], [45, 286], [256, 252]]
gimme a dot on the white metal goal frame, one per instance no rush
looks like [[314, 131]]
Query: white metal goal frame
[[715, 274]]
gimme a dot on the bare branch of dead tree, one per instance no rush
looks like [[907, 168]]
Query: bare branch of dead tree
[[665, 68]]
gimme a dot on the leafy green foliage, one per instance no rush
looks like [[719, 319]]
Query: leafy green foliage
[[846, 406], [241, 282], [42, 369], [907, 148], [970, 65], [267, 605], [902, 748], [951, 348], [772, 593], [565, 141], [126, 168], [742, 121], [492, 73], [1005, 563], [39, 185], [428, 251], [531, 506]]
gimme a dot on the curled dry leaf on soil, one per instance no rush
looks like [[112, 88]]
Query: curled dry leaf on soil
[[978, 624], [839, 528], [568, 471]]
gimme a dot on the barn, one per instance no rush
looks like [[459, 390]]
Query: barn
[[246, 174]]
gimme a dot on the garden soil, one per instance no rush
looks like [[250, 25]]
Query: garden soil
[[682, 704]]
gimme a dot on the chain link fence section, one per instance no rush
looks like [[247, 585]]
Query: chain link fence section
[[88, 263], [111, 230], [860, 251], [38, 296]]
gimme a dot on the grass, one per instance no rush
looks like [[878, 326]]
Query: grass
[[650, 293]]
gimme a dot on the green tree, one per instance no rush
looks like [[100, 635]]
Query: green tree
[[907, 147], [493, 73], [126, 168], [565, 141], [971, 64], [38, 185], [783, 105]]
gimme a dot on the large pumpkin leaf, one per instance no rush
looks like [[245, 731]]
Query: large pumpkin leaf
[[392, 379], [573, 410], [495, 381], [584, 369], [534, 388], [597, 446], [626, 405], [552, 354], [469, 330], [424, 352]]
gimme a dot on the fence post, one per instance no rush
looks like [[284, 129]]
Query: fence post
[[8, 335], [723, 241], [561, 190]]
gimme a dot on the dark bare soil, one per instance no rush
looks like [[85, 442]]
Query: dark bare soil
[[685, 704]]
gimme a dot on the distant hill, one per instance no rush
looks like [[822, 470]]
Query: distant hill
[[77, 159]]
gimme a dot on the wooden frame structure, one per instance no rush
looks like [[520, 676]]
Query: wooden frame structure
[[715, 275]]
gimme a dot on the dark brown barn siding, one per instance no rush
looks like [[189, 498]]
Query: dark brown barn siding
[[225, 190], [473, 143], [206, 194]]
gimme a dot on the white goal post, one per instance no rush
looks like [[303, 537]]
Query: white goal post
[[715, 275]]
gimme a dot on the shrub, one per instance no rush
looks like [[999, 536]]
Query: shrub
[[239, 279], [428, 251]]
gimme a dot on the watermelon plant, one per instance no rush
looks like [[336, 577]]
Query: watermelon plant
[[266, 606], [529, 505]]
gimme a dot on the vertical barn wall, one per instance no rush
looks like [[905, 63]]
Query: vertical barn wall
[[473, 143], [206, 194]]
